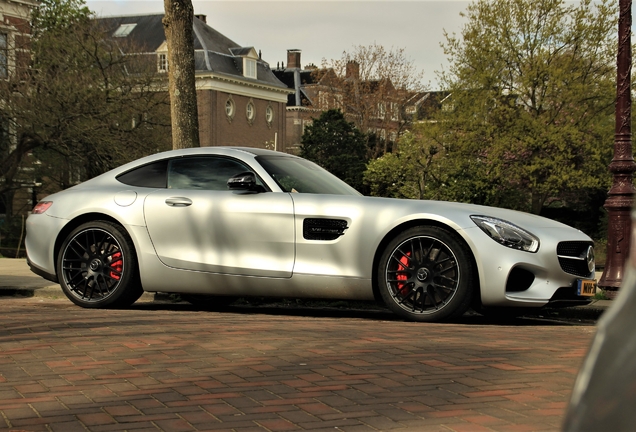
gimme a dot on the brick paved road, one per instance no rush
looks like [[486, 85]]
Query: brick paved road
[[175, 368]]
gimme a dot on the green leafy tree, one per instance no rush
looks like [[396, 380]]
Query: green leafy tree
[[78, 107], [81, 104], [336, 145], [412, 171], [531, 86]]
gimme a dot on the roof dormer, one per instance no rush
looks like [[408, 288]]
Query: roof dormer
[[250, 56]]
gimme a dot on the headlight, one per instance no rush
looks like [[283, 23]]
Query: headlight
[[506, 233]]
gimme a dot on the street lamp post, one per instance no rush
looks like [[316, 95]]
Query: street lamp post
[[619, 201]]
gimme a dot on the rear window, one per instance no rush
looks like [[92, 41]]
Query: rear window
[[153, 175]]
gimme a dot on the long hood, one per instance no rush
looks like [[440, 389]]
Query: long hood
[[460, 212]]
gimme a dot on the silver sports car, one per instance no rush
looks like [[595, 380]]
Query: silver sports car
[[218, 223]]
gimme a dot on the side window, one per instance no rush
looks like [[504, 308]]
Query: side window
[[152, 175], [209, 173]]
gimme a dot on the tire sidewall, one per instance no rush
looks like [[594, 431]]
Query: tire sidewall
[[129, 270], [462, 298]]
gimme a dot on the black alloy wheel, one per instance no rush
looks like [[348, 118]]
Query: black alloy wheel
[[97, 266], [426, 274]]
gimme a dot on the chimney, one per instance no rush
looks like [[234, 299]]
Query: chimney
[[353, 70], [293, 58], [202, 17]]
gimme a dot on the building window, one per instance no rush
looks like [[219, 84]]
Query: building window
[[339, 103], [162, 63], [249, 68], [381, 109], [230, 108], [395, 111], [269, 115], [4, 56], [323, 100], [124, 30], [250, 112]]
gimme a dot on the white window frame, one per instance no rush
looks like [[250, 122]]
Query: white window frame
[[162, 62], [230, 108], [381, 110], [250, 112], [269, 114], [249, 68], [395, 112]]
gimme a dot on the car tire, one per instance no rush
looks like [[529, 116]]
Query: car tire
[[426, 274], [208, 301], [97, 266]]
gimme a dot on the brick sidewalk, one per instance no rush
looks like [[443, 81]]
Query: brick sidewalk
[[175, 368]]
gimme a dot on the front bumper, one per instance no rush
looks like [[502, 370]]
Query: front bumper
[[512, 278]]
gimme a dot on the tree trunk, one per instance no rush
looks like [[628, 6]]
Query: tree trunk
[[177, 24], [537, 202]]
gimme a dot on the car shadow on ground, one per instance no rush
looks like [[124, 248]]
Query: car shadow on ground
[[372, 312]]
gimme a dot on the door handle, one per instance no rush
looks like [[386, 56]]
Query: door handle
[[178, 201]]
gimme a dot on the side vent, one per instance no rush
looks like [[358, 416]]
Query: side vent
[[323, 229]]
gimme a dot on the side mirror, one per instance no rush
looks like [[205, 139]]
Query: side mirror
[[245, 181]]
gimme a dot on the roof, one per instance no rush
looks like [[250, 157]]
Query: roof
[[214, 52], [298, 79]]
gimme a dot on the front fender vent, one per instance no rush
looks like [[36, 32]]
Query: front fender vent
[[323, 229]]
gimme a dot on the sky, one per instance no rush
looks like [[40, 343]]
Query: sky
[[323, 29]]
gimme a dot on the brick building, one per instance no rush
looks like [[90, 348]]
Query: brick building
[[15, 34], [15, 37], [240, 100], [374, 106]]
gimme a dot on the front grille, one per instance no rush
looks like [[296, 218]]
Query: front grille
[[572, 257]]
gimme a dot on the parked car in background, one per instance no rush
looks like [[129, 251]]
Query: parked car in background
[[216, 223]]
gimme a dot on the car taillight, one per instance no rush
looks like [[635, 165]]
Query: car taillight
[[41, 207]]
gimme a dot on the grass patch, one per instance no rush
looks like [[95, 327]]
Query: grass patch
[[600, 295]]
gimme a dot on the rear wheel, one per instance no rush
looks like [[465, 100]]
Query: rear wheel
[[426, 274], [97, 266]]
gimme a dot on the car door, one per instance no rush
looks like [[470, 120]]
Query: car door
[[198, 224]]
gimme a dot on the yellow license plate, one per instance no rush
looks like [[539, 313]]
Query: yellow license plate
[[586, 287]]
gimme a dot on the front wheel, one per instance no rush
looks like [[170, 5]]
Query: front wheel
[[426, 274], [97, 266]]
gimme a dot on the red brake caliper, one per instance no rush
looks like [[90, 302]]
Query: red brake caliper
[[404, 263], [116, 264]]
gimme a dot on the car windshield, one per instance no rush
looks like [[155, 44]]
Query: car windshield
[[301, 176]]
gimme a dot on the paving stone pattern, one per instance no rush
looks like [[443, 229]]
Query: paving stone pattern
[[170, 368]]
